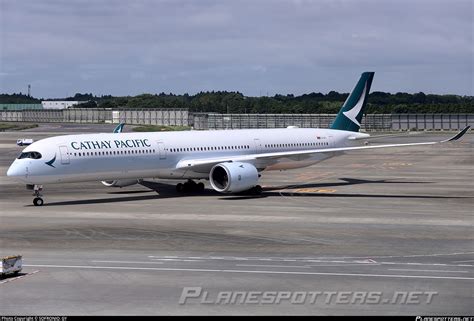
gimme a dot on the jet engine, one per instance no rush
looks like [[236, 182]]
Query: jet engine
[[121, 182], [233, 177]]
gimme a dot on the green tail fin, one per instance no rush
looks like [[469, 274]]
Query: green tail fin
[[350, 115], [119, 128]]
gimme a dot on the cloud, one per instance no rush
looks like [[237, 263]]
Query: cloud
[[130, 47]]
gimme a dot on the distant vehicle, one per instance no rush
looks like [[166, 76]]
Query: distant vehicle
[[11, 265], [24, 141]]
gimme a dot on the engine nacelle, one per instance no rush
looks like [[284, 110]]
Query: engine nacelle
[[121, 182], [233, 177]]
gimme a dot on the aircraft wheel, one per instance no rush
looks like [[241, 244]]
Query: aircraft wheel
[[257, 190], [187, 187], [200, 187], [180, 187], [38, 201]]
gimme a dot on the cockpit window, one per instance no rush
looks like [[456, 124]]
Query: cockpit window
[[32, 155]]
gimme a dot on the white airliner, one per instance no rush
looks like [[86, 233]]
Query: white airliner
[[231, 160]]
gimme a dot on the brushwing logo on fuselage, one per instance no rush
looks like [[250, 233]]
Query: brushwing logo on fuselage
[[50, 163]]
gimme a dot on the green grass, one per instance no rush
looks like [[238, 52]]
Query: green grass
[[159, 128], [16, 126]]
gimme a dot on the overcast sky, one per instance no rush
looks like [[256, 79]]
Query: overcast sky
[[255, 47]]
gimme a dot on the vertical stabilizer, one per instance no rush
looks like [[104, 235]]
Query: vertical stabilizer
[[350, 115]]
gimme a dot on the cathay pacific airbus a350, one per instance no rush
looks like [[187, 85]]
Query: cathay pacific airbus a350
[[232, 160]]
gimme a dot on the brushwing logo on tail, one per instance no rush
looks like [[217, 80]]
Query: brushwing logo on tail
[[354, 111]]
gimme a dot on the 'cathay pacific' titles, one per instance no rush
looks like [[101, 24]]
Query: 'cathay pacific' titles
[[108, 144]]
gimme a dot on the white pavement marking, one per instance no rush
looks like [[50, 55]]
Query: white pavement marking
[[176, 260], [304, 260], [131, 262], [343, 264], [428, 264], [442, 271], [252, 272], [165, 257], [412, 255], [276, 266], [387, 256]]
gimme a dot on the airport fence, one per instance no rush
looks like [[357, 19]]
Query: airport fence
[[204, 121], [171, 117], [168, 117], [370, 122]]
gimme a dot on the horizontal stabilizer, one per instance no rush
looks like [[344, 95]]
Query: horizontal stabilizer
[[119, 128]]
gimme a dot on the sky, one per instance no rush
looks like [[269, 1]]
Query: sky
[[259, 47]]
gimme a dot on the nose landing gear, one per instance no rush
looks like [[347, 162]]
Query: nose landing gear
[[37, 201]]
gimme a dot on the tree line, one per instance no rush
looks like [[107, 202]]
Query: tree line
[[235, 102]]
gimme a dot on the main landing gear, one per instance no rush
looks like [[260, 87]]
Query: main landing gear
[[256, 190], [37, 189], [189, 187]]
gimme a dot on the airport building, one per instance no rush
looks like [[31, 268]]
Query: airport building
[[55, 104], [46, 104]]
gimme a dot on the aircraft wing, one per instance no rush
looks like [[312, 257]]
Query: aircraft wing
[[367, 138], [201, 164]]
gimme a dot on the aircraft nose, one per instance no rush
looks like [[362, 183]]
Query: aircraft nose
[[14, 170]]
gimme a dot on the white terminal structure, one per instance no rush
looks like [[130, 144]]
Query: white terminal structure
[[60, 104]]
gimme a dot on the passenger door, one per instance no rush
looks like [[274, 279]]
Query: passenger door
[[64, 155], [258, 146], [161, 150]]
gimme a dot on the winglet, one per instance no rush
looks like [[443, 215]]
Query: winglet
[[119, 128], [458, 135]]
